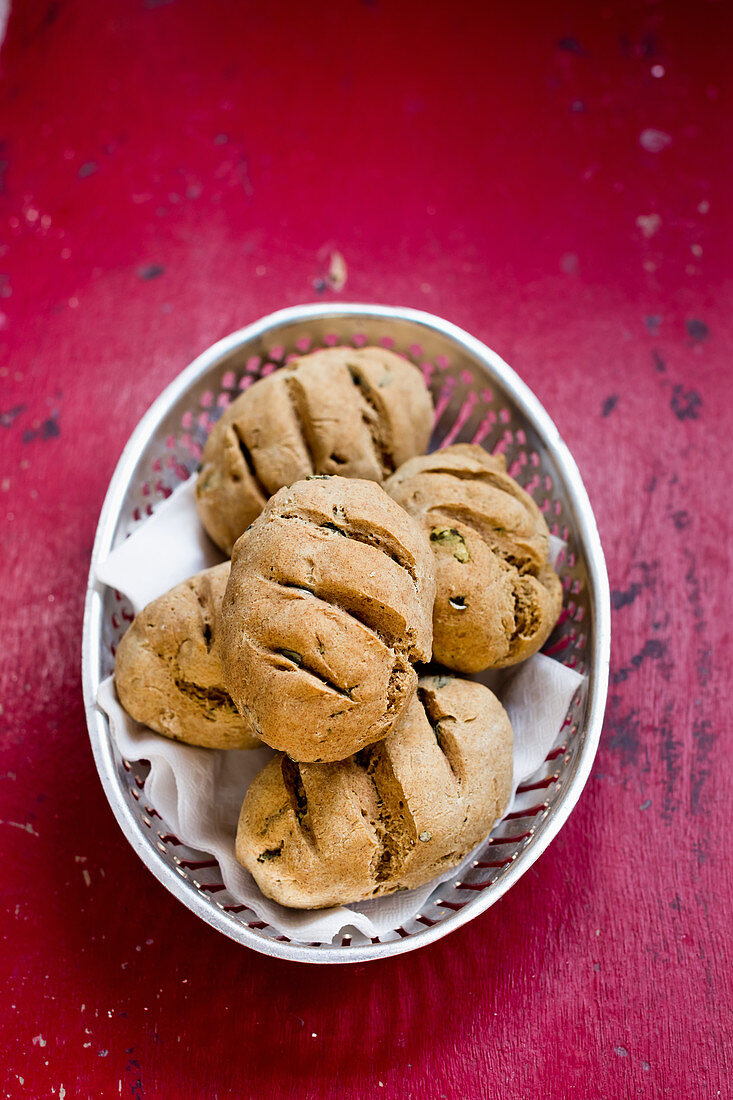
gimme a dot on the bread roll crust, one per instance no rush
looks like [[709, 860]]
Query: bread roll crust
[[328, 606], [393, 816], [168, 670], [497, 596], [354, 412]]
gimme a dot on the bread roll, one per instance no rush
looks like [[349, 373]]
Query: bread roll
[[497, 596], [393, 816], [168, 669], [328, 605], [357, 413]]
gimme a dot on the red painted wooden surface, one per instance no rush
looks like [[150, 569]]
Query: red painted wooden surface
[[557, 180]]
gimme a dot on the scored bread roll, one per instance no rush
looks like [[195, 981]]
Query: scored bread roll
[[329, 603], [497, 596], [354, 412], [393, 816], [168, 671]]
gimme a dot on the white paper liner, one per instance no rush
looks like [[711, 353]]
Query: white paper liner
[[165, 550], [199, 792]]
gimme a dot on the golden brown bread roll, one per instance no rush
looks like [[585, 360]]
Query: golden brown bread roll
[[168, 669], [497, 596], [395, 815], [328, 605], [354, 412]]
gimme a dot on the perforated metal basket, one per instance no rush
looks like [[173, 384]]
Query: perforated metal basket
[[478, 399]]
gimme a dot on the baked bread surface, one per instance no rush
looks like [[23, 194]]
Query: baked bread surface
[[354, 412], [393, 816], [497, 596], [328, 605], [168, 670]]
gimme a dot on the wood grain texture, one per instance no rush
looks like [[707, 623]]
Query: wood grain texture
[[172, 171]]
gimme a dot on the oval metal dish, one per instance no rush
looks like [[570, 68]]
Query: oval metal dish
[[478, 399]]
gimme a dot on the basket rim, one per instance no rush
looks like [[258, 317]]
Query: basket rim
[[599, 595]]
